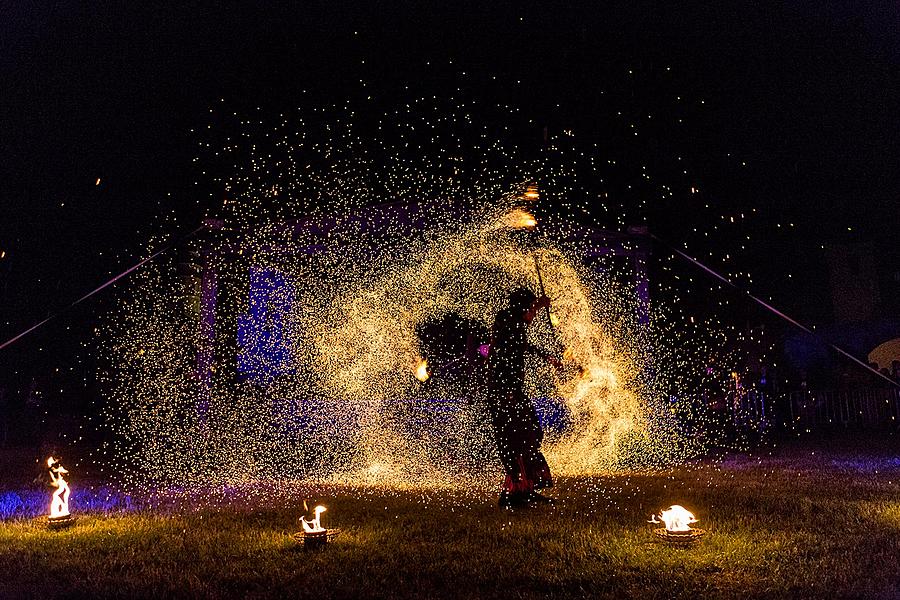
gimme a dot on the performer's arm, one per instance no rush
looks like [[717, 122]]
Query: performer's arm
[[550, 358]]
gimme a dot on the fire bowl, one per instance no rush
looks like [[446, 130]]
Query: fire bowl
[[680, 538], [60, 522], [317, 539]]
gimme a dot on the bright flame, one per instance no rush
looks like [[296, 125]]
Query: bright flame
[[59, 503], [677, 518], [518, 219], [526, 221], [314, 526], [531, 192], [422, 373]]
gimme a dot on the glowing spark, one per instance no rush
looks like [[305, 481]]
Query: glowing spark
[[97, 182]]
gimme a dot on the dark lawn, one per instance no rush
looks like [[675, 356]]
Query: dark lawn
[[793, 525]]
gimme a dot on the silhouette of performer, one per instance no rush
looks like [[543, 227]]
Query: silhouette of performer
[[514, 420]]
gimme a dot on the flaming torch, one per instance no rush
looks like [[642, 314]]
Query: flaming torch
[[531, 192], [59, 502], [313, 534], [677, 530]]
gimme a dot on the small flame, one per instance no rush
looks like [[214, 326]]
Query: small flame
[[676, 518], [314, 526], [59, 502], [526, 221], [531, 192], [422, 373], [518, 219]]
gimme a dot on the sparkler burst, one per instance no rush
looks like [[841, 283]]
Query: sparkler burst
[[333, 328]]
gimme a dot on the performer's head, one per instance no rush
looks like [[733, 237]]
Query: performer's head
[[521, 299]]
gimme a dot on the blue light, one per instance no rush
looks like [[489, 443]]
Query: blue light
[[264, 352]]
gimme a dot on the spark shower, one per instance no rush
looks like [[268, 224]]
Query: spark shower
[[345, 260]]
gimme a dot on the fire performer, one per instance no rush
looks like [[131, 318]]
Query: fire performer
[[514, 419]]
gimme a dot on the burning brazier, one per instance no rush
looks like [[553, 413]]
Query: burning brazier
[[313, 534], [59, 516], [677, 530]]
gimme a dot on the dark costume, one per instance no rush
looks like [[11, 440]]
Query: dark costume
[[517, 429]]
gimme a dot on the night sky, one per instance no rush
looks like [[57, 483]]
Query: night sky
[[806, 93]]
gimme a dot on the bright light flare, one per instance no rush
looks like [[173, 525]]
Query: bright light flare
[[677, 519], [531, 193], [422, 373]]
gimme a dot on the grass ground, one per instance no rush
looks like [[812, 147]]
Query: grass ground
[[800, 524]]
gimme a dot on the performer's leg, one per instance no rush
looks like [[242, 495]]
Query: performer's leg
[[540, 471], [535, 468], [510, 493]]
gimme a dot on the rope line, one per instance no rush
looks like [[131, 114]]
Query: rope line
[[124, 273], [771, 308]]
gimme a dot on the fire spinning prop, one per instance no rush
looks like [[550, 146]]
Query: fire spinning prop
[[531, 192], [677, 530], [59, 503], [313, 534]]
